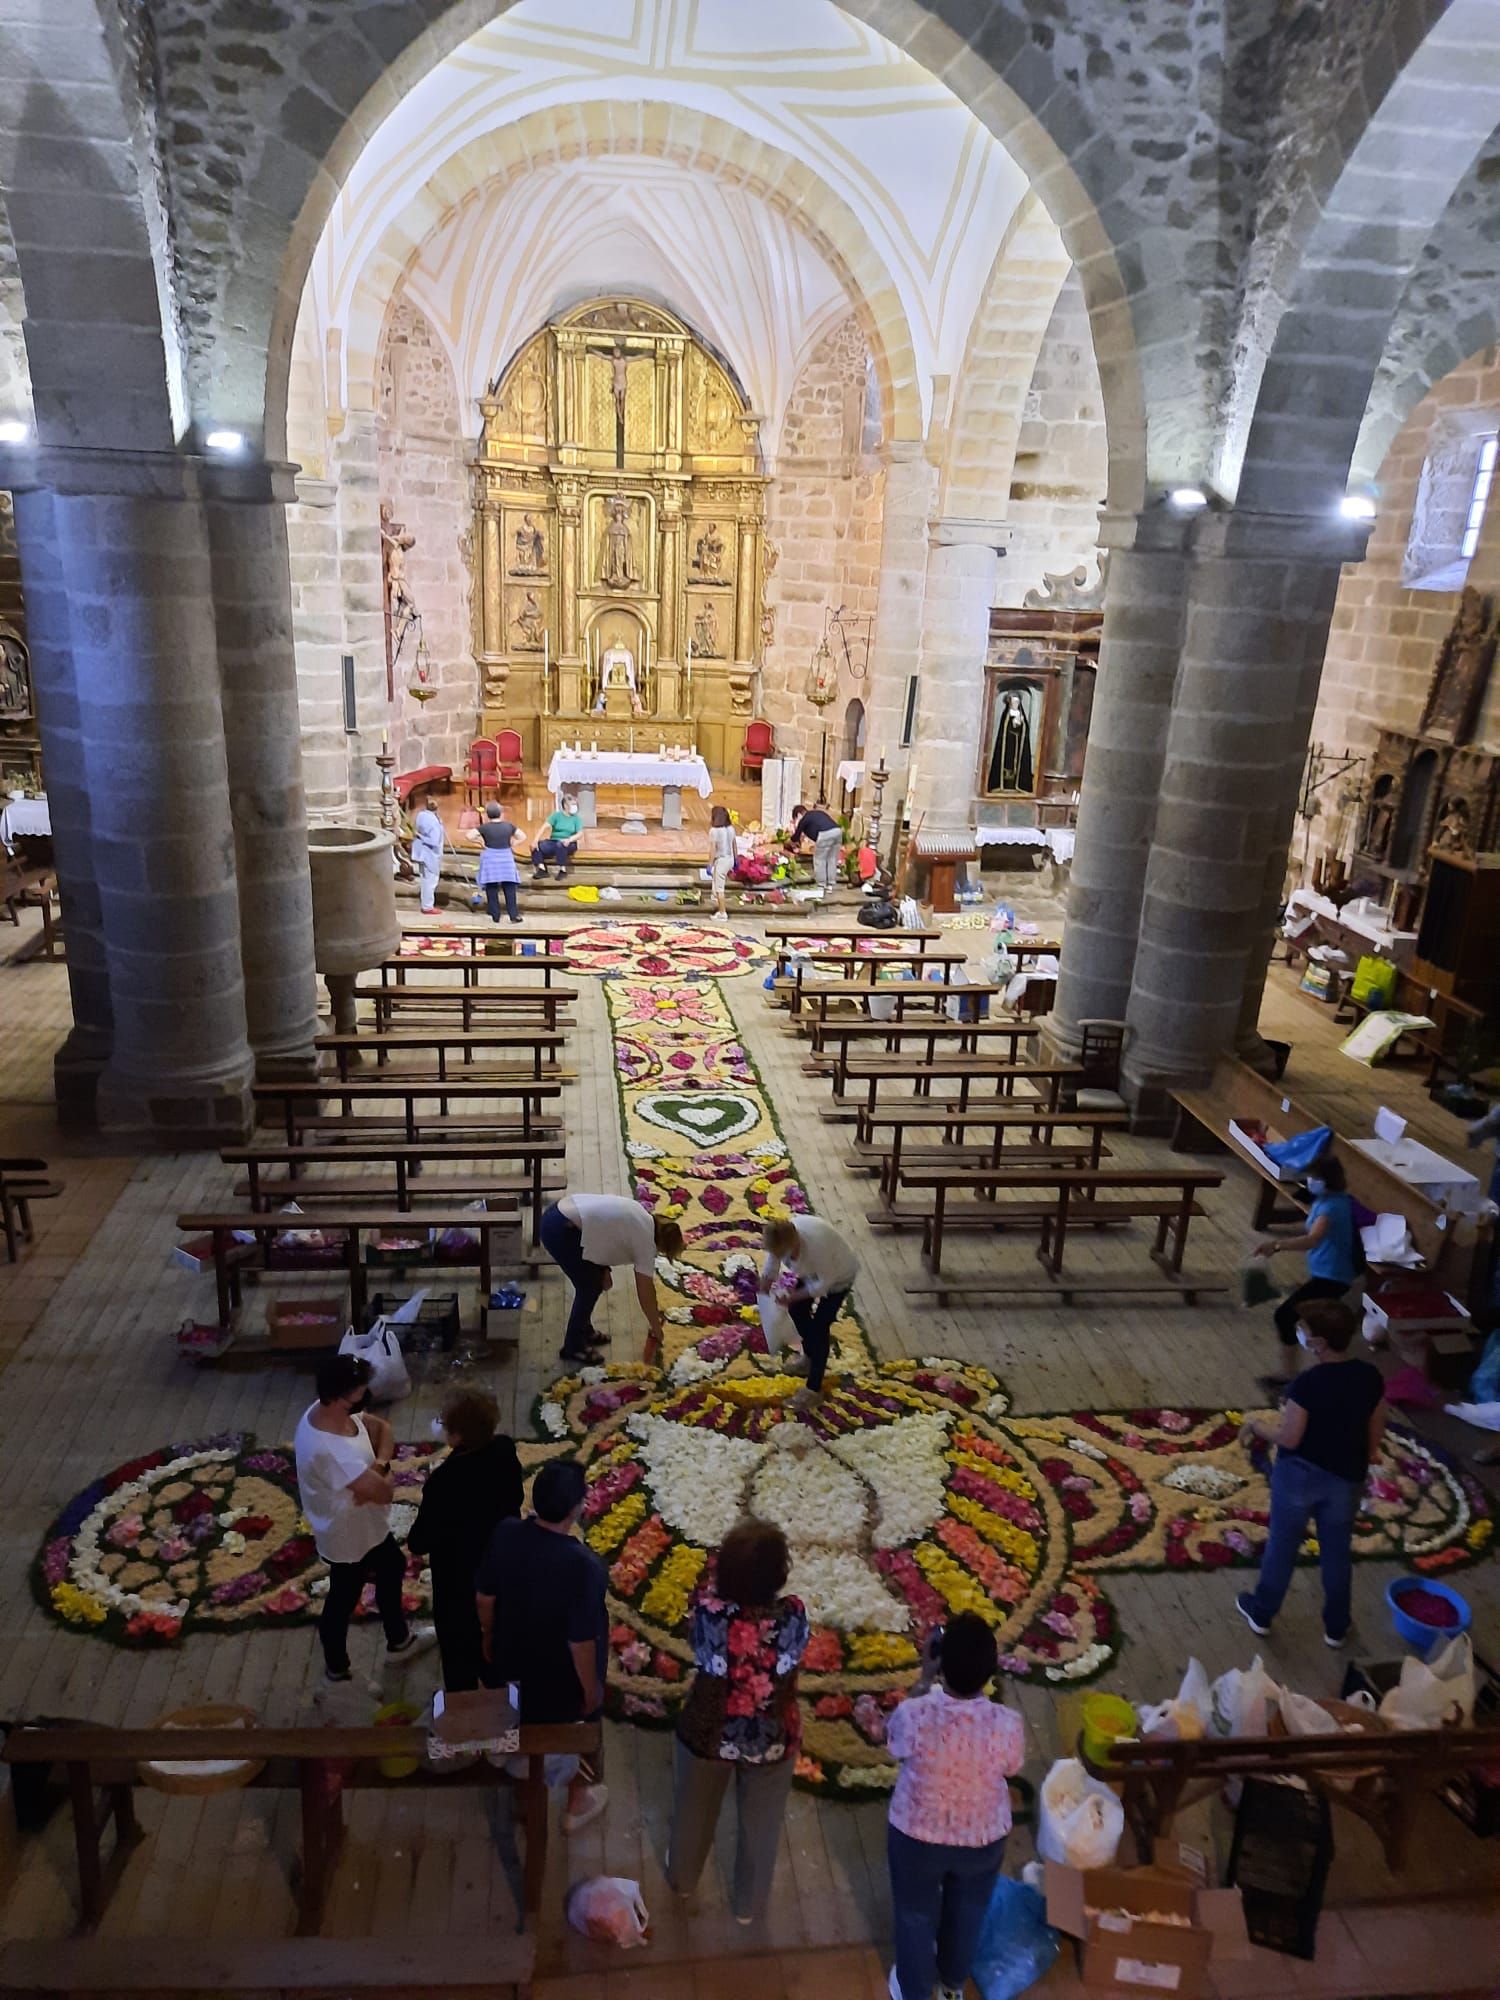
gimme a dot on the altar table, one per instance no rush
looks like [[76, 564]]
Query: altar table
[[24, 818], [582, 772]]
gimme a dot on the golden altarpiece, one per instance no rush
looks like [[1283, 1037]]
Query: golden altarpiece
[[619, 505]]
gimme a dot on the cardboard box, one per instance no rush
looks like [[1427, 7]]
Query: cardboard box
[[1124, 1946], [309, 1324]]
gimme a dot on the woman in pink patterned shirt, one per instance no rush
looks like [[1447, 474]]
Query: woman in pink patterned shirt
[[950, 1812]]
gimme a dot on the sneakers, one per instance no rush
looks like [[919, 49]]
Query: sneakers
[[591, 1357], [895, 1985], [807, 1399], [419, 1639], [595, 1799], [538, 874], [335, 1676], [794, 1364], [1336, 1645], [1242, 1604], [950, 1993]]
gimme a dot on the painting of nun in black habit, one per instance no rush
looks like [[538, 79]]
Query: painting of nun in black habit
[[1012, 766]]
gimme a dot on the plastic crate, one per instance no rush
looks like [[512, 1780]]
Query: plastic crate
[[436, 1324], [1279, 1862]]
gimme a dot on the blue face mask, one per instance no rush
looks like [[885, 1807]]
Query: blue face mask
[[1315, 1186]]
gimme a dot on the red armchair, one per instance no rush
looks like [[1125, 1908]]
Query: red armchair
[[510, 749], [760, 743], [480, 772]]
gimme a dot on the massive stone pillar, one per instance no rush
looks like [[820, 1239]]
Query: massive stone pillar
[[258, 677], [1144, 608], [1260, 599], [356, 458], [79, 1062], [910, 487], [962, 567], [318, 636], [123, 578]]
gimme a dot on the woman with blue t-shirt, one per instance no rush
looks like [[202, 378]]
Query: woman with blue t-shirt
[[1335, 1256]]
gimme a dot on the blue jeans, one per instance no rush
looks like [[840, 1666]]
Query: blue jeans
[[563, 1242], [1303, 1492], [813, 1319], [561, 851], [939, 1897]]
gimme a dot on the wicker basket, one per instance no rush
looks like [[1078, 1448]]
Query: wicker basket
[[201, 1780]]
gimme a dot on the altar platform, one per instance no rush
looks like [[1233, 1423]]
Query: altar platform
[[605, 845]]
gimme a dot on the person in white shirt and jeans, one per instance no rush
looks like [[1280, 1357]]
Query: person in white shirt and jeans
[[825, 1268], [586, 1235], [344, 1480]]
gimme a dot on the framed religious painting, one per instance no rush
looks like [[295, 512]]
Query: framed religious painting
[[15, 676], [1462, 672]]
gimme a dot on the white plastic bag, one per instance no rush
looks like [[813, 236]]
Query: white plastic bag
[[775, 1321], [1436, 1693], [1189, 1716], [609, 1908], [1303, 1716], [1081, 1821], [389, 1381], [1242, 1700]]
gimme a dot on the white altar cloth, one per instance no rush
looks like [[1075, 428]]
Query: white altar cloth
[[628, 767], [851, 773], [1059, 841], [24, 817]]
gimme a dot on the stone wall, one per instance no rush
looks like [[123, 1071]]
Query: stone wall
[[424, 475], [823, 517], [1385, 635], [1061, 456]]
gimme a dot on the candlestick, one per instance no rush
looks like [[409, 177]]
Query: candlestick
[[385, 739]]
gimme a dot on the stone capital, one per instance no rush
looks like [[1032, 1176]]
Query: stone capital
[[79, 471]]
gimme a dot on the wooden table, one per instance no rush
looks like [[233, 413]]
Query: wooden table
[[302, 1101]]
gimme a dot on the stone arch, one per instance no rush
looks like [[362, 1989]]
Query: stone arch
[[998, 67], [999, 362], [665, 131], [1357, 257]]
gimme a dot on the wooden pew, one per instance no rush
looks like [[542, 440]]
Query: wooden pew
[[472, 970], [301, 1104], [861, 969], [421, 1044], [963, 1071], [22, 1181], [1238, 1092], [913, 999], [303, 1760], [407, 1164], [1081, 1198], [781, 935], [379, 1216], [491, 1003], [499, 942], [886, 1158], [851, 1038]]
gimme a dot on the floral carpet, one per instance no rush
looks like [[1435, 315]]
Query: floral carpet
[[911, 1492]]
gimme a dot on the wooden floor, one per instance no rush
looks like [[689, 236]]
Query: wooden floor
[[90, 1375]]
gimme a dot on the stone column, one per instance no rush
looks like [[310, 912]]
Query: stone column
[[258, 675], [133, 563], [1144, 606], [747, 593], [362, 575], [83, 1054], [909, 490], [671, 573], [1260, 599], [492, 577], [962, 567], [318, 636]]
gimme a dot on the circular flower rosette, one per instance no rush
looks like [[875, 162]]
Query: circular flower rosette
[[198, 1537], [661, 951], [903, 1497]]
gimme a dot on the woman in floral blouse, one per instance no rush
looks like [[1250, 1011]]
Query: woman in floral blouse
[[740, 1718]]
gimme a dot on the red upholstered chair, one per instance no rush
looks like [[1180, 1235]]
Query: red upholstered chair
[[511, 769], [760, 743], [479, 775]]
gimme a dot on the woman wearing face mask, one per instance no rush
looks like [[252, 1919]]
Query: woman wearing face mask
[[1335, 1257], [477, 1485], [1325, 1433]]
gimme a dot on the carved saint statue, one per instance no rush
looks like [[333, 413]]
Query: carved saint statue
[[617, 670], [1376, 838], [15, 678], [617, 565], [1452, 830], [1462, 671], [706, 633], [531, 549], [400, 605], [1011, 768], [708, 555], [529, 624]]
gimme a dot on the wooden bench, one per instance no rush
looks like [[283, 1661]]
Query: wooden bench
[[530, 1044], [414, 781], [1381, 1777], [533, 1012], [319, 1763], [500, 1965], [471, 970], [781, 935], [230, 1260], [886, 1158], [301, 1104], [850, 1037], [487, 940], [960, 1070], [1169, 1198], [1237, 1092], [23, 888], [406, 1163], [910, 996], [856, 970], [22, 1181]]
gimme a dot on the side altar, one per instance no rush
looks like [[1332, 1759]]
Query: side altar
[[619, 508]]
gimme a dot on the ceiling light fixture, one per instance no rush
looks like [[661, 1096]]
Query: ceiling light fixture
[[227, 442], [1188, 499], [1357, 507]]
